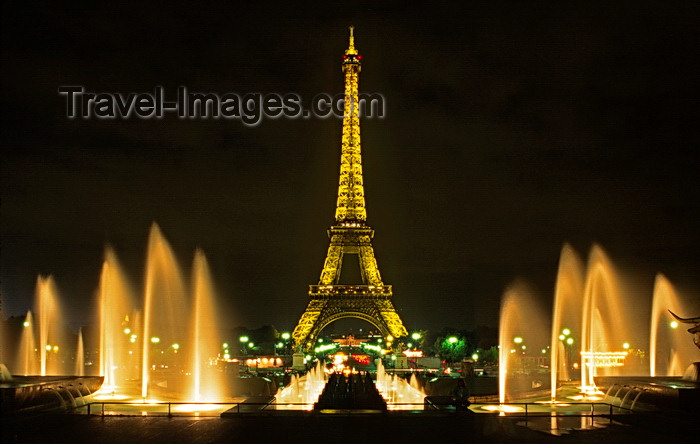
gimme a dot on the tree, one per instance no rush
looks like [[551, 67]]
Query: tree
[[451, 348]]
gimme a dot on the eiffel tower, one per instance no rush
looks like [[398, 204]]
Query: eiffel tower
[[329, 301]]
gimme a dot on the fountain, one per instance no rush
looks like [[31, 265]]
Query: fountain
[[170, 351], [51, 340], [27, 353], [566, 319], [395, 390], [592, 330], [669, 348], [304, 389], [521, 326]]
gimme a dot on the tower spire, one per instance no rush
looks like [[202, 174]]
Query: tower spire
[[351, 193], [351, 48]]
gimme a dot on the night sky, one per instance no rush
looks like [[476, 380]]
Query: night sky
[[511, 128]]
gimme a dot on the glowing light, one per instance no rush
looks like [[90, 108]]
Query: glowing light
[[285, 336], [243, 339], [55, 348], [176, 346], [569, 341], [626, 345], [452, 339], [604, 359], [48, 347], [517, 339], [415, 336], [566, 332], [225, 345], [475, 357], [127, 331], [561, 337], [389, 338], [155, 339], [674, 324], [502, 408], [26, 323]]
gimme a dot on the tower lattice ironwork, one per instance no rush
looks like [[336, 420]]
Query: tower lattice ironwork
[[330, 301]]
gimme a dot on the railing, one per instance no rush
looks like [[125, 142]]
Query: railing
[[165, 408], [169, 409], [597, 409]]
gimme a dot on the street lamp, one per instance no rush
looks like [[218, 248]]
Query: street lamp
[[285, 336], [415, 336], [452, 339], [518, 340]]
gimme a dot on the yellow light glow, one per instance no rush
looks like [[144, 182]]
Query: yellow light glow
[[127, 331], [566, 332], [569, 341], [502, 408], [674, 324], [517, 339], [176, 346], [155, 339], [626, 345]]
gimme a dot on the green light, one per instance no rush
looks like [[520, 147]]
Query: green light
[[285, 336], [452, 339], [280, 345], [415, 336], [517, 339], [251, 344], [244, 339], [409, 345]]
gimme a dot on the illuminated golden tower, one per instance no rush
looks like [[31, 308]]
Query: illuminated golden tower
[[371, 300]]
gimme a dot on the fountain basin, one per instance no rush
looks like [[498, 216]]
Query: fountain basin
[[652, 392], [40, 392]]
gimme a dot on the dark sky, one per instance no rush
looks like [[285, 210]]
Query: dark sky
[[511, 128]]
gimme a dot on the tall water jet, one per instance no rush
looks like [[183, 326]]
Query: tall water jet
[[26, 357], [566, 317], [80, 355], [522, 325], [118, 333], [605, 327], [50, 329], [670, 351], [208, 380], [164, 309]]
